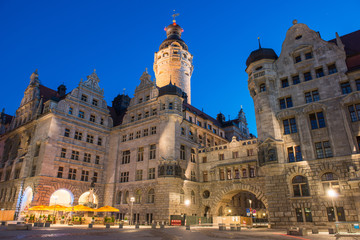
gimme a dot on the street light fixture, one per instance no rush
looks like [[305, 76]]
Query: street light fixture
[[187, 202], [250, 201], [132, 200], [333, 194]]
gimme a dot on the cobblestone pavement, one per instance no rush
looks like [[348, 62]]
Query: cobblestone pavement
[[146, 233]]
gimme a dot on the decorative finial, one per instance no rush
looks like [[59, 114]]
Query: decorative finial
[[146, 70], [94, 70], [259, 42], [294, 21], [124, 91], [241, 106], [36, 71], [174, 16]]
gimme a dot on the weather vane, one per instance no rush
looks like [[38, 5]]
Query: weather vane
[[174, 16]]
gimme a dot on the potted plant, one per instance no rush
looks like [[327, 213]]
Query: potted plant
[[62, 221], [31, 218]]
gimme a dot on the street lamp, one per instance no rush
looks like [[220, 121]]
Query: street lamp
[[187, 202], [250, 201], [332, 194], [132, 200]]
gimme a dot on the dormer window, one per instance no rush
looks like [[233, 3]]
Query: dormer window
[[84, 98]]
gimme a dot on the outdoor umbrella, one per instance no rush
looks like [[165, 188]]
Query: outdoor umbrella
[[107, 209], [80, 208]]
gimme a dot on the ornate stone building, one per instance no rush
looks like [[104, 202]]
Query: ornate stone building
[[175, 159]]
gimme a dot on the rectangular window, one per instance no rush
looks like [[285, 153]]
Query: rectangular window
[[153, 130], [193, 156], [222, 174], [63, 153], [345, 88], [99, 141], [298, 155], [312, 96], [307, 76], [319, 72], [331, 214], [92, 118], [284, 83], [146, 132], [95, 176], [81, 114], [308, 55], [101, 121], [87, 157], [332, 69], [357, 84], [60, 172], [83, 98], [147, 98], [190, 119], [285, 103], [199, 123], [78, 135], [84, 176], [140, 155], [94, 102], [296, 79], [297, 59], [171, 106], [291, 155], [323, 149], [125, 157], [139, 116], [140, 100], [252, 172], [151, 173], [70, 110], [152, 152], [299, 215], [132, 118], [153, 112], [341, 214], [124, 137], [244, 173], [209, 127], [289, 126], [138, 134], [250, 152], [235, 154], [124, 177], [205, 176], [75, 155], [182, 131], [131, 136], [67, 132], [317, 120], [294, 154], [204, 159], [182, 152], [97, 159], [90, 138], [308, 215], [221, 156], [147, 114], [193, 176], [139, 174], [72, 174]]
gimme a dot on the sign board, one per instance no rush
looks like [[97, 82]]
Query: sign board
[[175, 222], [254, 211], [356, 226], [248, 210]]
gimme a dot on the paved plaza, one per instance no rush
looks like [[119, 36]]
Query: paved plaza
[[146, 233]]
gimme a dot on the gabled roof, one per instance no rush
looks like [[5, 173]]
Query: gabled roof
[[5, 118], [201, 114], [47, 93], [351, 42]]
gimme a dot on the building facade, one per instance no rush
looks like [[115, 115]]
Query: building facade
[[174, 159]]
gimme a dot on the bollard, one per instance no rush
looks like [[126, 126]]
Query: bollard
[[238, 227], [107, 225], [137, 225], [121, 225], [90, 225]]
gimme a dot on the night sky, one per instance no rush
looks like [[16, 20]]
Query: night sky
[[66, 40]]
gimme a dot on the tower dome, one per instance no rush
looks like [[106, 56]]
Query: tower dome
[[173, 61], [261, 53]]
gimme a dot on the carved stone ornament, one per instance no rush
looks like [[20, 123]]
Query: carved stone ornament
[[314, 107], [285, 114], [92, 82], [351, 98]]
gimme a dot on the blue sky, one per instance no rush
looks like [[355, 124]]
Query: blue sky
[[66, 40]]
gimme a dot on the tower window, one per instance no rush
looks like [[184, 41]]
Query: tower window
[[297, 59], [308, 55], [262, 87]]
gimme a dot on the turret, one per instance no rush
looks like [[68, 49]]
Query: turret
[[173, 62]]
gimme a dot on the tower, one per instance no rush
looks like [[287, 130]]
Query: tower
[[173, 62]]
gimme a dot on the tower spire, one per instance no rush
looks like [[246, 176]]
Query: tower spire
[[174, 16]]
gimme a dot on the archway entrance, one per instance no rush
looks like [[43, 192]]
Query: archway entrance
[[26, 199], [242, 203], [62, 197], [88, 199]]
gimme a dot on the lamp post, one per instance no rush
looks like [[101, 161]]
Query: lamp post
[[187, 203], [132, 200], [332, 194], [250, 201], [55, 198]]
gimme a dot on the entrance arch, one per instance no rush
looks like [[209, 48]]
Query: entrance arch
[[62, 197], [27, 198], [86, 198]]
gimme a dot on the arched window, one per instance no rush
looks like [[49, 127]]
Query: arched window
[[192, 197], [118, 198], [138, 196], [300, 186], [262, 87], [182, 196], [330, 181], [151, 196], [126, 197]]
